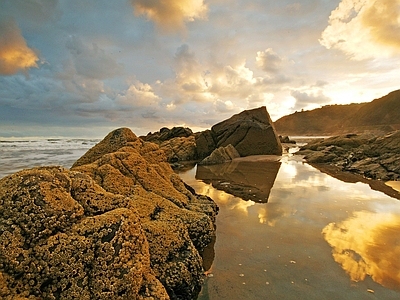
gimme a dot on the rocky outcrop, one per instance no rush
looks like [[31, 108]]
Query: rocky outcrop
[[178, 143], [120, 225], [367, 155], [251, 132], [221, 155]]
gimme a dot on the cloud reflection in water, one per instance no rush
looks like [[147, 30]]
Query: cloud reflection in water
[[367, 244]]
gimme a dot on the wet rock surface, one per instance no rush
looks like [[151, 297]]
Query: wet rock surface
[[374, 157], [119, 225]]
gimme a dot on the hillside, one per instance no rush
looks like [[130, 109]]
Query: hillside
[[381, 115]]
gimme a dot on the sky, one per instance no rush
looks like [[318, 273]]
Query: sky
[[81, 68]]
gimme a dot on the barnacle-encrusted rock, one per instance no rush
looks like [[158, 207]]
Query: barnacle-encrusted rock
[[168, 209], [64, 237], [120, 225]]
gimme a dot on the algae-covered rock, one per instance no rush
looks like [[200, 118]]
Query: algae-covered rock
[[64, 237], [119, 225], [168, 210]]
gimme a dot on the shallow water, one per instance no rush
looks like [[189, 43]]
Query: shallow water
[[315, 237]]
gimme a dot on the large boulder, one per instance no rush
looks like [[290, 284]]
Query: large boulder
[[251, 132], [120, 225]]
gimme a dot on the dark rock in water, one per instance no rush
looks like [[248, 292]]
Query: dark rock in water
[[365, 154], [251, 132], [221, 155], [120, 225]]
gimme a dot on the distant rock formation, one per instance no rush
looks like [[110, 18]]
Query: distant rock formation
[[251, 132], [120, 225], [221, 155], [367, 155], [379, 116]]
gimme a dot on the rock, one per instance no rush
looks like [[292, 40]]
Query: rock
[[178, 143], [64, 237], [221, 155], [120, 225], [178, 224], [205, 144], [180, 149], [166, 134], [365, 154], [251, 132], [285, 139]]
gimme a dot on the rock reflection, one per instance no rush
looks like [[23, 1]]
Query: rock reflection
[[248, 178], [368, 244]]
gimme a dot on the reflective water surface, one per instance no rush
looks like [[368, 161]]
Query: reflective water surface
[[302, 235]]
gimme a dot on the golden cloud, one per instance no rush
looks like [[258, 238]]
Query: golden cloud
[[15, 55], [170, 15], [364, 28], [367, 244]]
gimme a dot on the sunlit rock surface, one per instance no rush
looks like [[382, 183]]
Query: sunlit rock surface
[[120, 225]]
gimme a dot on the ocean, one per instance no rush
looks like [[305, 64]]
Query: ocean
[[18, 154]]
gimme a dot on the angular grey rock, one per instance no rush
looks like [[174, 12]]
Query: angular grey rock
[[221, 155], [251, 132]]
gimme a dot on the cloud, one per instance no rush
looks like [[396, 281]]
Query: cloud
[[309, 99], [138, 95], [367, 244], [15, 55], [170, 15], [364, 28], [91, 61], [269, 61]]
